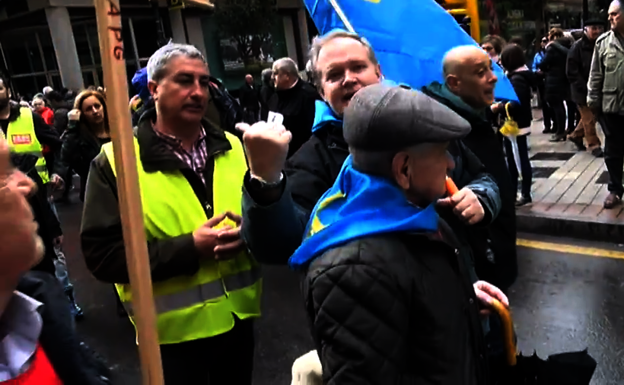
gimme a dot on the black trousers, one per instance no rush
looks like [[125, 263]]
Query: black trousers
[[613, 127], [559, 116], [525, 165], [226, 359], [573, 115], [546, 110]]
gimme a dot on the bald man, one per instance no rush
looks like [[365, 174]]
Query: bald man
[[248, 95], [468, 89]]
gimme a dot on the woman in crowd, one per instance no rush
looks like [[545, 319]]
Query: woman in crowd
[[87, 131], [522, 80], [557, 87], [493, 45]]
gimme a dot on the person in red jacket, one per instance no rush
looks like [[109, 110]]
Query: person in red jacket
[[40, 107], [38, 345]]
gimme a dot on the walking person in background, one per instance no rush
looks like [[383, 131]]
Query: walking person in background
[[540, 82], [266, 91], [493, 45], [605, 97], [522, 80], [578, 68], [248, 96], [557, 87], [87, 131], [294, 99]]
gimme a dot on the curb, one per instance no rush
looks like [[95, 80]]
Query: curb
[[553, 225]]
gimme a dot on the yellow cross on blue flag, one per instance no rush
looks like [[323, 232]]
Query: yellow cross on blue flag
[[359, 205], [410, 37]]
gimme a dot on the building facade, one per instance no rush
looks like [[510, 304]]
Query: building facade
[[55, 42]]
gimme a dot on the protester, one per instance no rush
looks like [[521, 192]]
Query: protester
[[61, 107], [468, 90], [87, 131], [577, 70], [206, 286], [44, 111], [248, 95], [399, 264], [294, 99], [523, 81], [557, 87], [605, 97], [540, 78], [277, 204]]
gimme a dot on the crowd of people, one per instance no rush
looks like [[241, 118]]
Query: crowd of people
[[399, 274]]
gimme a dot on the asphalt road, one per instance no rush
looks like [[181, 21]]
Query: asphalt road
[[562, 301]]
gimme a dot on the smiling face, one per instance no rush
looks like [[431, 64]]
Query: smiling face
[[473, 79], [183, 91], [344, 67]]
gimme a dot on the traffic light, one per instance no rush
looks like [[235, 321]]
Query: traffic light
[[467, 8]]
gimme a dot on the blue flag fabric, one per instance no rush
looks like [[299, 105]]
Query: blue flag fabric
[[410, 37], [359, 205]]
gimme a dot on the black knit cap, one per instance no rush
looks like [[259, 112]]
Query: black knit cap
[[385, 118]]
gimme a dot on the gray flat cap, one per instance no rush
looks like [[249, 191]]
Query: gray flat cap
[[386, 118]]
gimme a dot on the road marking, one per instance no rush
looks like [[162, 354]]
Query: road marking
[[571, 249]]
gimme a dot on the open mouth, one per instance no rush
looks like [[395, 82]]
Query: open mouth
[[348, 96]]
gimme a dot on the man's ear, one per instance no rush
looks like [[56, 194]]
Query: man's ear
[[401, 171], [452, 81], [153, 89], [378, 71]]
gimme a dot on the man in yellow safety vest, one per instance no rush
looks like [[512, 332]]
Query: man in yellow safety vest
[[207, 287], [27, 134]]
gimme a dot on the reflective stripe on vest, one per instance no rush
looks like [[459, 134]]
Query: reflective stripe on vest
[[201, 305], [202, 293], [23, 140]]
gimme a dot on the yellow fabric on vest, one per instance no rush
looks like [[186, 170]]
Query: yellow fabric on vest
[[202, 305], [23, 140]]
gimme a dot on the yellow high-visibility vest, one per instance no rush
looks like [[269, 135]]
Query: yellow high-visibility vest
[[22, 140], [202, 305]]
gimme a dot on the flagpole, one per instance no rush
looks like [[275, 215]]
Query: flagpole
[[108, 17], [342, 16]]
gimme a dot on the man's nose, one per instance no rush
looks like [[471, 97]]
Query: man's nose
[[350, 77]]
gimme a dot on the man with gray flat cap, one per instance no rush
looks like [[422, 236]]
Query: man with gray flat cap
[[389, 298]]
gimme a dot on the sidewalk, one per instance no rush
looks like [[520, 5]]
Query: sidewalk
[[569, 188]]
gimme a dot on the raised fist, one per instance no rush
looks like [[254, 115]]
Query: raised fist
[[266, 146], [74, 115]]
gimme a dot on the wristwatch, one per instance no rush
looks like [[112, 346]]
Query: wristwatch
[[261, 184]]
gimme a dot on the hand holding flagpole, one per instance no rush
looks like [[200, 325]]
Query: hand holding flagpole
[[114, 68]]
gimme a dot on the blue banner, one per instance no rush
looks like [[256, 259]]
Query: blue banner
[[410, 37]]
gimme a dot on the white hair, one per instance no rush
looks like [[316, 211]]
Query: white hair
[[157, 63], [286, 65], [47, 90]]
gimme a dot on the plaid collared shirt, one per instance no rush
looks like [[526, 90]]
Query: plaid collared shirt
[[196, 159]]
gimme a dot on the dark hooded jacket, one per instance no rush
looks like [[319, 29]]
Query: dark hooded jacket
[[578, 67], [557, 86], [498, 241]]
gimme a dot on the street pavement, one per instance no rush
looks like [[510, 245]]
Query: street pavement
[[567, 298]]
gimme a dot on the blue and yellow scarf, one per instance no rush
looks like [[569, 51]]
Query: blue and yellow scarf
[[359, 205]]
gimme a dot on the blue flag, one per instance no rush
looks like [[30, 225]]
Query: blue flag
[[410, 37], [359, 205]]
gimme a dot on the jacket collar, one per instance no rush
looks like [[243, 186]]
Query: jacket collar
[[156, 156]]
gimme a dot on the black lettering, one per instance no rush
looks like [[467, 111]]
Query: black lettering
[[118, 52], [117, 32], [113, 10]]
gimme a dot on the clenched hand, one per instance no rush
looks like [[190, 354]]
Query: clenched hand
[[465, 205]]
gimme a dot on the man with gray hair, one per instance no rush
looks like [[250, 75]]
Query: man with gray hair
[[206, 285], [606, 97], [294, 99]]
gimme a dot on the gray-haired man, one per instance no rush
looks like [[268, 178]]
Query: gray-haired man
[[206, 287]]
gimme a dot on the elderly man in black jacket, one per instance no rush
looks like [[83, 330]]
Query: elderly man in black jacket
[[389, 299], [578, 67]]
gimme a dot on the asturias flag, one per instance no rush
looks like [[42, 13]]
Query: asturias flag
[[359, 205], [410, 37]]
